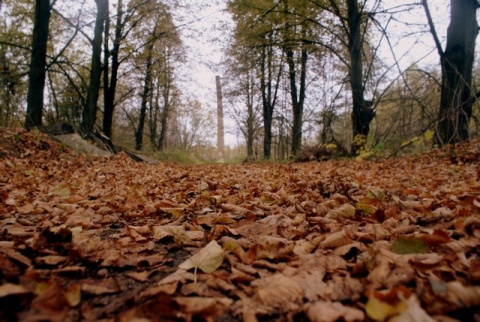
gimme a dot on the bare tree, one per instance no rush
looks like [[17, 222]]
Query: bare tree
[[89, 114], [457, 66]]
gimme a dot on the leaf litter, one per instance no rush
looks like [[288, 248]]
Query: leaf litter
[[87, 238]]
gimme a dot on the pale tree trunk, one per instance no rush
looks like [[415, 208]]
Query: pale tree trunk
[[147, 89], [220, 133], [38, 61], [167, 106], [251, 129]]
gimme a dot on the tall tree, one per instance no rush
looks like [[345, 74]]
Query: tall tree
[[457, 66], [89, 114], [296, 39], [220, 135], [257, 28], [241, 92], [126, 21], [270, 74], [362, 112], [147, 89], [38, 58]]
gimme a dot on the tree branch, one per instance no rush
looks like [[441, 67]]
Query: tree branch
[[432, 28]]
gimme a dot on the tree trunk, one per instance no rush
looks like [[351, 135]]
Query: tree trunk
[[269, 93], [147, 88], [220, 134], [457, 64], [298, 97], [266, 88], [362, 113], [89, 115], [112, 87], [250, 118], [38, 61], [162, 139]]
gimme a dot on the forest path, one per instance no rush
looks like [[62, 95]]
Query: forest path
[[87, 238]]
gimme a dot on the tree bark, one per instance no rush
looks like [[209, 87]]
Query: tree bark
[[457, 65], [298, 97], [220, 133], [362, 113], [269, 92], [109, 101], [89, 115], [167, 105], [147, 89], [251, 129], [38, 59]]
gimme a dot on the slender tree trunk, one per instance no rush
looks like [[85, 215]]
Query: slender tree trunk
[[109, 107], [457, 65], [167, 105], [362, 113], [250, 118], [220, 134], [298, 97], [269, 93], [38, 61], [162, 138], [154, 112], [266, 89], [147, 88], [106, 66], [89, 115]]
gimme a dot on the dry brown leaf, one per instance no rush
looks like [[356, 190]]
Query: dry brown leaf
[[12, 289], [322, 311], [278, 292]]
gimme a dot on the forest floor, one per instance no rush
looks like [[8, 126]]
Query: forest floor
[[87, 238]]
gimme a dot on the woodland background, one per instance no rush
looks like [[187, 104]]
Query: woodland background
[[330, 76], [89, 238]]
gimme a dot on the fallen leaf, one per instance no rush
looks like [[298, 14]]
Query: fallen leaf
[[73, 294], [322, 311], [208, 259], [409, 245], [385, 304], [12, 289]]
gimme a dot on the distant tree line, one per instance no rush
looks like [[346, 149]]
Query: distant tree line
[[303, 53], [108, 67]]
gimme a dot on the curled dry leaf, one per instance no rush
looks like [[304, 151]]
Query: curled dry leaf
[[12, 289], [176, 232], [322, 311], [209, 308], [413, 312], [278, 291], [337, 239], [344, 211]]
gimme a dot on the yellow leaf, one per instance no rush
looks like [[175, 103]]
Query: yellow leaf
[[73, 295], [208, 259], [380, 311]]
